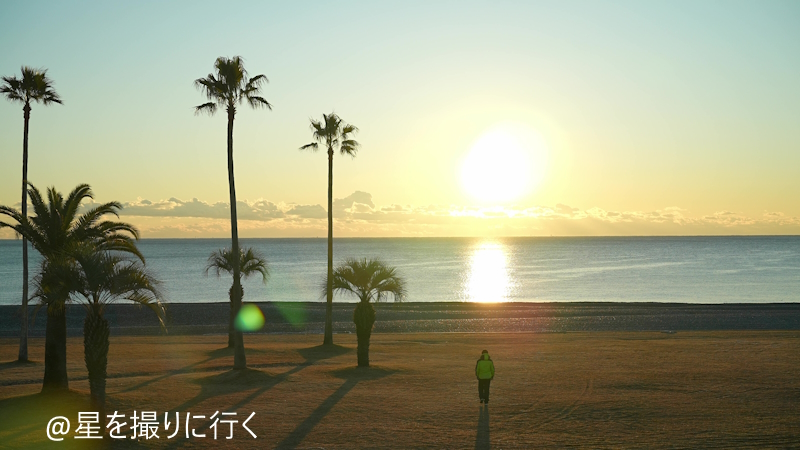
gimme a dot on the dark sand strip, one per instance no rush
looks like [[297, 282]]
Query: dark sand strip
[[211, 318]]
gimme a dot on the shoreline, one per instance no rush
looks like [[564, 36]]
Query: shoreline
[[432, 317]]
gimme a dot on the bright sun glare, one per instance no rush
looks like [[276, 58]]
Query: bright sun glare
[[488, 280], [505, 163]]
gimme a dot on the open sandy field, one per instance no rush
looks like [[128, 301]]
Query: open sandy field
[[723, 389]]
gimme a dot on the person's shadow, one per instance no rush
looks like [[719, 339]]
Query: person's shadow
[[482, 440]]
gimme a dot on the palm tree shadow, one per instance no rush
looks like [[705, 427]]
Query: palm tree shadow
[[17, 363], [232, 381], [311, 356], [482, 441], [321, 352], [238, 380], [186, 369], [352, 377], [229, 351], [191, 368]]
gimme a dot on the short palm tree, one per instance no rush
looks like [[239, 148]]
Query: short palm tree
[[368, 280], [99, 278], [228, 88], [34, 86], [56, 230], [250, 263], [332, 132]]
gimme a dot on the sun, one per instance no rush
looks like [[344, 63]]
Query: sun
[[505, 163]]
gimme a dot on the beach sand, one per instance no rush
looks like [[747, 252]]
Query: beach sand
[[604, 389]]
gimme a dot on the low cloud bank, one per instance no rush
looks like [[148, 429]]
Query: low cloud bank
[[359, 215]]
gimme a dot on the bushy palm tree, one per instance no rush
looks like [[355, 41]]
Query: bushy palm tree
[[229, 88], [332, 132], [34, 86], [250, 263], [56, 230], [369, 280], [99, 278]]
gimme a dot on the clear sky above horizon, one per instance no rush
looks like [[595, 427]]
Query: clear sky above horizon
[[476, 118]]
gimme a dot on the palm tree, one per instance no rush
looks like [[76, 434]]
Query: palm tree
[[229, 87], [368, 280], [99, 278], [34, 86], [56, 230], [250, 263], [331, 132]]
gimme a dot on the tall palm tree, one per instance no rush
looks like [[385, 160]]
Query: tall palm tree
[[99, 278], [229, 87], [250, 263], [34, 86], [368, 280], [331, 132], [56, 230]]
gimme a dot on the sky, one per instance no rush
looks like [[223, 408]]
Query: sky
[[502, 118]]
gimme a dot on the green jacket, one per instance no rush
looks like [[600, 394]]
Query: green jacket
[[484, 368]]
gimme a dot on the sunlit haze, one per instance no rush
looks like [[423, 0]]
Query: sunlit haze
[[510, 118]]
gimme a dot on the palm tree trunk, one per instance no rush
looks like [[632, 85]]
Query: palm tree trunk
[[95, 352], [239, 358], [231, 319], [55, 350], [328, 340], [23, 333], [364, 318]]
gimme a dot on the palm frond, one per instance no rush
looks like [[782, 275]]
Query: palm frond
[[84, 256], [257, 81], [317, 130], [104, 277], [36, 200], [348, 129], [251, 262], [11, 213], [73, 202], [368, 280], [229, 86], [349, 147], [258, 102], [34, 86], [333, 132], [11, 88], [89, 219], [209, 108]]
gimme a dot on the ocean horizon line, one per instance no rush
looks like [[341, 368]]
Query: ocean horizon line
[[472, 237]]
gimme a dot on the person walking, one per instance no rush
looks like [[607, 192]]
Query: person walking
[[484, 371]]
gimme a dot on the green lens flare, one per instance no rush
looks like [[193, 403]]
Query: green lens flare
[[294, 313], [250, 318]]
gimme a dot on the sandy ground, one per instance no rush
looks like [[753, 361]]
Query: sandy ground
[[724, 389]]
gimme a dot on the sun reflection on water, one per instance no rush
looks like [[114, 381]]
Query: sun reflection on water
[[488, 280]]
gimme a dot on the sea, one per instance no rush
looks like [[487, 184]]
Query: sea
[[730, 269]]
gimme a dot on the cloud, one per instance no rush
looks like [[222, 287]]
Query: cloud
[[308, 211], [173, 207], [358, 201], [359, 215], [395, 208], [565, 210]]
